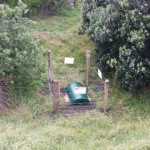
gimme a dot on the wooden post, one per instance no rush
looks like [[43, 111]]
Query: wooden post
[[56, 94], [106, 90], [88, 55], [49, 71]]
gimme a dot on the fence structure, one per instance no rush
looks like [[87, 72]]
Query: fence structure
[[60, 74]]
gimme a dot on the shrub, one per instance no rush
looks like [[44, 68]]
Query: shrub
[[19, 51], [41, 7], [121, 32]]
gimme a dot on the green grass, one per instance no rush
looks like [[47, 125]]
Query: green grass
[[21, 130], [31, 126], [59, 24]]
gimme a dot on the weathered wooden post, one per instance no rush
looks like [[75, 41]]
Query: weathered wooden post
[[106, 93], [88, 56], [49, 71], [56, 96]]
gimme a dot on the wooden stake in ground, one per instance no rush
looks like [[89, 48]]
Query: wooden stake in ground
[[49, 72], [106, 91], [88, 56], [56, 94]]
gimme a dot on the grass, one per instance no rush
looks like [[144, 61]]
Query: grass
[[87, 131], [30, 126]]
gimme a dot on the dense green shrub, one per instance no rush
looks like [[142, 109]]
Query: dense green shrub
[[121, 32], [41, 7], [19, 52]]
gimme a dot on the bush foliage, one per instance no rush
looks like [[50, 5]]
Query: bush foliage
[[121, 32], [19, 51], [41, 7]]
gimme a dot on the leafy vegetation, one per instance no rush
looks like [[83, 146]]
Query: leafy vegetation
[[19, 51], [41, 7], [121, 32]]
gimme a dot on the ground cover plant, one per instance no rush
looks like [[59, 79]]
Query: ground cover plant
[[30, 125]]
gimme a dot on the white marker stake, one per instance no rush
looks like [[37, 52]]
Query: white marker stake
[[69, 60], [100, 74]]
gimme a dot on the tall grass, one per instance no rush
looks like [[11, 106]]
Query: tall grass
[[86, 131]]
